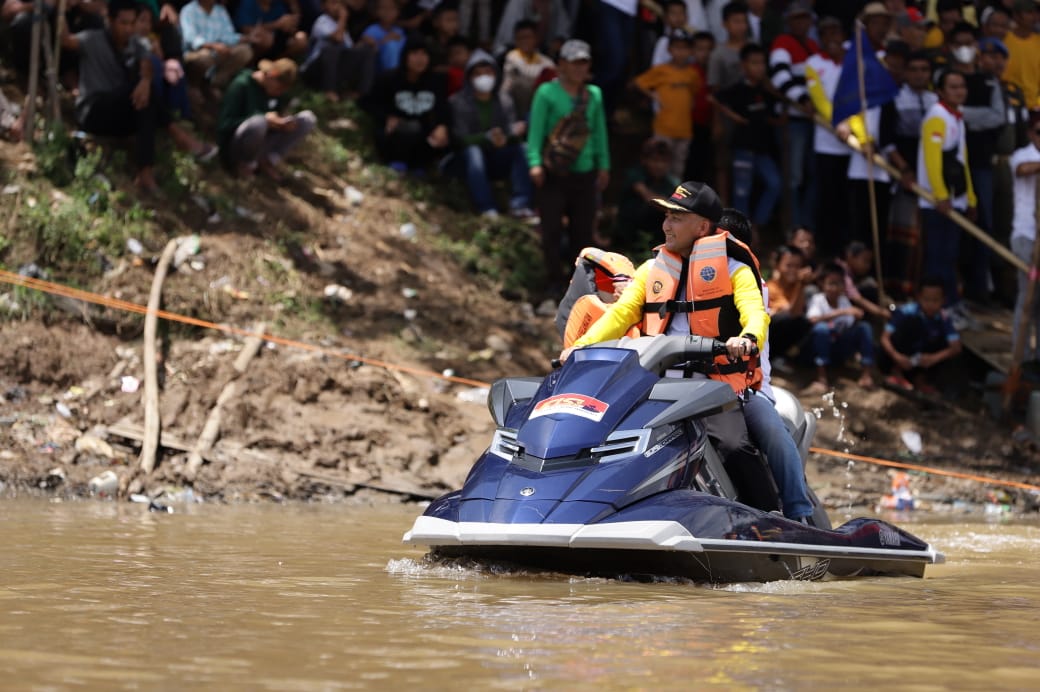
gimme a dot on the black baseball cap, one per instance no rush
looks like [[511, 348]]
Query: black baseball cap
[[693, 197]]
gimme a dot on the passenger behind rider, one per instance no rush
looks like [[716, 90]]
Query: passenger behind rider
[[738, 316], [764, 423]]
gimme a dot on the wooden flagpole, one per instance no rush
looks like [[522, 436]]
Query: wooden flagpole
[[867, 154], [1026, 318], [29, 125]]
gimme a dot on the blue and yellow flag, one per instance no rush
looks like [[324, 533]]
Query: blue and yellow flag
[[880, 86]]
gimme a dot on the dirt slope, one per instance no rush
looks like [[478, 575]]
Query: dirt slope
[[319, 423]]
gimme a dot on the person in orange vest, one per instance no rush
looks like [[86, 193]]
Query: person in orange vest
[[700, 283], [598, 280]]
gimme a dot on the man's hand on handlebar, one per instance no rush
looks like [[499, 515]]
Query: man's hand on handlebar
[[564, 355], [738, 347]]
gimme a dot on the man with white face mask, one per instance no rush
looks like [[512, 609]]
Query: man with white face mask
[[489, 139], [984, 118]]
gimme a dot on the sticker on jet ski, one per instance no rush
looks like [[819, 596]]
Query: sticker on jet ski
[[572, 404]]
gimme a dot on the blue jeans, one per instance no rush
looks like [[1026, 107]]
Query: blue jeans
[[770, 435], [748, 165], [941, 248], [484, 165], [800, 186], [837, 346]]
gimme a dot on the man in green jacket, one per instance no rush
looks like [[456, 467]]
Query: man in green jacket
[[251, 132], [570, 188]]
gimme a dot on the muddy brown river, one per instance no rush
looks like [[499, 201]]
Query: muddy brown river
[[108, 596]]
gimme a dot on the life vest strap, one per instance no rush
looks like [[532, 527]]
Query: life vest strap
[[731, 368], [669, 306], [712, 303]]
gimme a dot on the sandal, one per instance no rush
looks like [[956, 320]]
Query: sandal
[[899, 382]]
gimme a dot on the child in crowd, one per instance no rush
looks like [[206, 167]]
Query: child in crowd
[[523, 64], [724, 66], [638, 221], [918, 338], [788, 325], [673, 86], [838, 330], [334, 63], [724, 72], [459, 52], [699, 161], [273, 27], [751, 107], [675, 21], [860, 286], [445, 25], [385, 35], [804, 241]]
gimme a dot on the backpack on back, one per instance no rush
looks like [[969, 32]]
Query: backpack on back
[[567, 139]]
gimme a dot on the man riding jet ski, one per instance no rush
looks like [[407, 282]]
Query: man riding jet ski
[[607, 467], [708, 283]]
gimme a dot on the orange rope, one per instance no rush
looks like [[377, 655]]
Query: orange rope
[[925, 469], [86, 296]]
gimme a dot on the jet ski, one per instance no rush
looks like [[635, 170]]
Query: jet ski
[[604, 468]]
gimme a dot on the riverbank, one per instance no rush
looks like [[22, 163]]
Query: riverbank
[[322, 426], [347, 273]]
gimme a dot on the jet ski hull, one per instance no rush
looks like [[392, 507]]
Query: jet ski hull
[[733, 543]]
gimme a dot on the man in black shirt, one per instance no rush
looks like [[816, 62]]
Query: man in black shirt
[[984, 119]]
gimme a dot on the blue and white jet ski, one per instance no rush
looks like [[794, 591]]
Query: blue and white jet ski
[[604, 468]]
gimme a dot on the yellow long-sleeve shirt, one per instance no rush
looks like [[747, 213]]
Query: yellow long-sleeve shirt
[[942, 131], [628, 310]]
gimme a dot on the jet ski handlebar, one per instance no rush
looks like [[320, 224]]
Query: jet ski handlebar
[[659, 353], [663, 352]]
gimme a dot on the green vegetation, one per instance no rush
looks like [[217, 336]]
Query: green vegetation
[[74, 215], [84, 219], [505, 250]]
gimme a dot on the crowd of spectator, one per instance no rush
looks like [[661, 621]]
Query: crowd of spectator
[[538, 94]]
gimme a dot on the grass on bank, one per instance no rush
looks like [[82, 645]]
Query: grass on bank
[[76, 210]]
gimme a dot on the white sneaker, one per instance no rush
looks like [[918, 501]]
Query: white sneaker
[[490, 214]]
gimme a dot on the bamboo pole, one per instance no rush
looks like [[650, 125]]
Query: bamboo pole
[[871, 191], [151, 373], [211, 429], [957, 217], [59, 23], [1015, 375], [34, 73], [51, 71]]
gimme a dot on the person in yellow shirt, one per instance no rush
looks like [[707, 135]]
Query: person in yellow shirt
[[699, 283], [666, 306], [1023, 44], [942, 169], [673, 86]]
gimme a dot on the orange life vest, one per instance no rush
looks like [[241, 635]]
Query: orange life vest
[[584, 314], [709, 298], [606, 266]]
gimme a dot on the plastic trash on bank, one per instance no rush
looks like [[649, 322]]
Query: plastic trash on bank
[[901, 496]]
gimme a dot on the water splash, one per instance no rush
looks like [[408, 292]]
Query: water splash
[[848, 489], [838, 409]]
